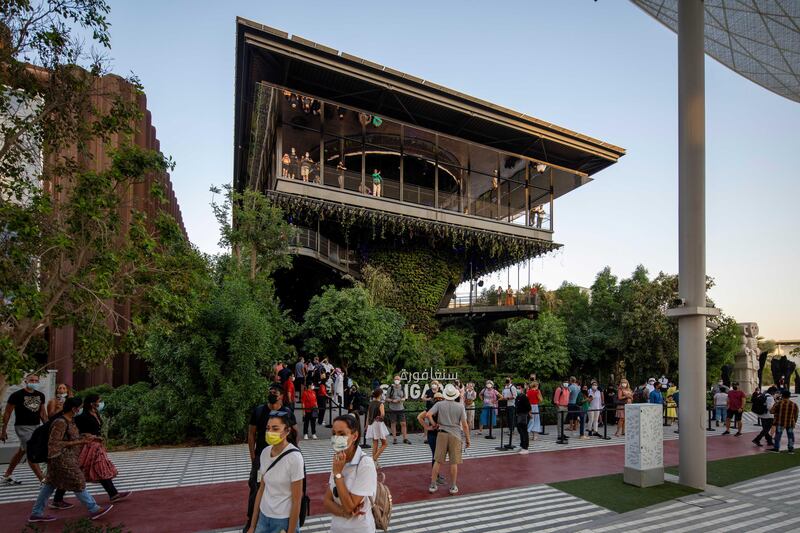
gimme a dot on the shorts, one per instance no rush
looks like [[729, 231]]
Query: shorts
[[394, 417], [24, 435], [573, 412], [447, 445], [736, 416]]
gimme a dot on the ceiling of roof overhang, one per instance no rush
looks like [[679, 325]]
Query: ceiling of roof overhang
[[759, 39]]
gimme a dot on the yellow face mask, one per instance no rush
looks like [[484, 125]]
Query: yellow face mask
[[274, 438]]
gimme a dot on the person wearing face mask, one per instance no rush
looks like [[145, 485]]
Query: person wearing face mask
[[583, 401], [397, 411], [470, 394], [54, 406], [281, 478], [257, 439], [63, 448], [596, 404], [562, 403], [353, 481], [28, 406], [93, 460], [434, 388], [490, 397], [624, 397]]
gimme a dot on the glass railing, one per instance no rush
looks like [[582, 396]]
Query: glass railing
[[326, 249], [500, 300]]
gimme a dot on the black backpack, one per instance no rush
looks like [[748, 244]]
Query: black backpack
[[36, 449], [759, 404]]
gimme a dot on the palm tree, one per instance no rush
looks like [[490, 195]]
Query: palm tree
[[491, 345]]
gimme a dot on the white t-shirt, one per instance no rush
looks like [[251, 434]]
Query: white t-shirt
[[597, 399], [277, 499], [361, 480], [721, 399]]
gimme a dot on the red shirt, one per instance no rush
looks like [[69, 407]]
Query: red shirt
[[309, 400], [735, 400], [534, 396], [288, 391]]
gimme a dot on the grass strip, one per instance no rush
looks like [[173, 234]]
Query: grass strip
[[724, 472], [613, 494]]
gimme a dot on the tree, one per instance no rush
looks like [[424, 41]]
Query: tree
[[605, 316], [68, 261], [574, 310], [538, 346], [492, 343], [345, 325], [722, 344]]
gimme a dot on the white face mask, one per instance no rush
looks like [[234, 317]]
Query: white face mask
[[339, 443], [397, 382], [33, 386], [62, 396], [594, 387], [434, 388], [565, 385]]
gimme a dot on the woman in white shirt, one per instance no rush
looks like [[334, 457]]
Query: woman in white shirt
[[282, 471], [353, 480]]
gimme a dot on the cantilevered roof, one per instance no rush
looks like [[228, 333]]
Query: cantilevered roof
[[759, 39], [273, 56]]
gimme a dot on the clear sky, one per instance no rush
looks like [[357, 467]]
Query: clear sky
[[604, 69]]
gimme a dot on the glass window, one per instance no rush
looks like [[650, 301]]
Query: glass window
[[334, 162], [341, 121], [453, 152], [383, 133], [418, 180], [451, 186], [386, 163], [483, 195], [419, 143], [300, 158]]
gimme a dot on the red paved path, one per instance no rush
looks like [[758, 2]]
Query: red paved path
[[221, 505]]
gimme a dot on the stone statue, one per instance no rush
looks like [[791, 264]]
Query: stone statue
[[745, 367], [782, 370]]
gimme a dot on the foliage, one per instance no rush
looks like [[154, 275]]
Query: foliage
[[421, 277], [722, 344], [491, 346], [344, 325], [68, 264], [82, 525], [766, 345], [379, 285], [574, 309], [538, 346]]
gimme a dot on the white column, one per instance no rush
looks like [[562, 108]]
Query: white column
[[692, 239]]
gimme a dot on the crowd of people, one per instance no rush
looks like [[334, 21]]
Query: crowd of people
[[72, 446]]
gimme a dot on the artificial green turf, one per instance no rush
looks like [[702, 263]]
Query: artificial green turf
[[610, 492], [729, 471]]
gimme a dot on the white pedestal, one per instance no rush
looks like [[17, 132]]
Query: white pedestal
[[644, 445]]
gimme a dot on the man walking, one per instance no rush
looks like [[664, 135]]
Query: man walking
[[785, 412], [397, 410], [257, 439], [735, 410], [28, 406], [762, 406], [451, 420]]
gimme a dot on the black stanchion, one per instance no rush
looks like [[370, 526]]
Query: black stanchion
[[709, 421], [605, 424], [562, 438], [541, 421], [504, 415]]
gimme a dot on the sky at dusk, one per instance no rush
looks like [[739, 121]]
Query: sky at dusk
[[604, 68]]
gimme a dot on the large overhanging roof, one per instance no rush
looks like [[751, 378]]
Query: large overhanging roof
[[270, 55], [759, 39]]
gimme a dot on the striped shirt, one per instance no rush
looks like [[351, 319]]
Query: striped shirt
[[785, 412]]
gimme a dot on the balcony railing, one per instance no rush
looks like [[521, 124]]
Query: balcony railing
[[310, 243]]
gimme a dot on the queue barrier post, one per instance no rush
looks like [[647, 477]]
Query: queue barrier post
[[709, 428], [605, 424], [541, 421], [562, 438], [503, 412]]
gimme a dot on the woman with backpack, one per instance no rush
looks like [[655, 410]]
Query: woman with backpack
[[282, 476], [94, 461], [353, 482], [63, 471]]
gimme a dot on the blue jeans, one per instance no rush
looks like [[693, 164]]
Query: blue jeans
[[582, 419], [47, 490], [267, 524], [789, 437], [720, 413]]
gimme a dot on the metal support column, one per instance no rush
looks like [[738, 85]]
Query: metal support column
[[692, 243]]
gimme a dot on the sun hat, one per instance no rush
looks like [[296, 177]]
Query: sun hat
[[451, 392]]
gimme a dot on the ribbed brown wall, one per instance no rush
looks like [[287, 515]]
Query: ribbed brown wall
[[124, 369]]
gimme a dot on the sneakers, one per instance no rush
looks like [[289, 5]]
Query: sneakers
[[42, 518], [584, 437], [394, 441], [406, 441], [121, 496], [10, 480], [314, 436], [522, 451], [61, 505], [738, 434], [440, 480], [433, 488], [773, 450], [453, 490], [100, 512], [726, 432], [305, 437], [757, 442]]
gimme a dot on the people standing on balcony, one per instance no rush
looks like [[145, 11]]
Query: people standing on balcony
[[509, 296], [500, 295], [294, 165], [340, 169], [305, 166], [286, 162], [377, 181]]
